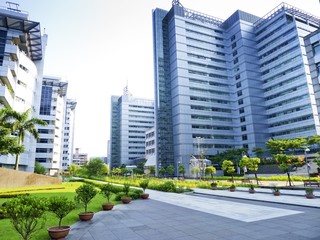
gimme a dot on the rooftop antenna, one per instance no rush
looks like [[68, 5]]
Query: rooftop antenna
[[13, 6], [126, 90], [177, 2]]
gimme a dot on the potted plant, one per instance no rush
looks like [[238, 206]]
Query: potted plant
[[106, 190], [309, 193], [144, 184], [251, 189], [214, 185], [232, 188], [126, 198], [84, 194], [276, 191], [61, 207], [27, 214]]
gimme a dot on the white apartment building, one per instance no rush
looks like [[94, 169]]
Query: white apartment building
[[52, 110], [80, 159], [68, 135], [22, 49]]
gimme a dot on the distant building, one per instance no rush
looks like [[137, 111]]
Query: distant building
[[68, 133], [21, 69], [52, 110], [150, 154], [130, 118], [233, 83], [80, 159]]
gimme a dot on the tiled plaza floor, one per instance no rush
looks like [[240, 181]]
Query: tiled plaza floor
[[169, 216]]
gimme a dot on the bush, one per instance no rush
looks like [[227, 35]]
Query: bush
[[60, 206], [119, 195], [85, 194], [26, 212]]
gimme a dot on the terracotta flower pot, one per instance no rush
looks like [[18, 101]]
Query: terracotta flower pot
[[144, 195], [86, 216], [58, 232], [252, 190], [107, 206], [126, 200], [310, 196], [276, 193]]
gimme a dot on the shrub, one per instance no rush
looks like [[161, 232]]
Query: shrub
[[309, 191], [106, 190], [85, 194], [144, 184], [26, 213], [61, 206], [119, 195]]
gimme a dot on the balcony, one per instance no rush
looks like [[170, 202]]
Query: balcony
[[7, 77], [5, 97], [13, 50]]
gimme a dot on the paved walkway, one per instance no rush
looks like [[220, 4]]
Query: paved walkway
[[208, 214]]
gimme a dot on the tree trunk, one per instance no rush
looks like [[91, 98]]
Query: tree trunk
[[289, 179], [256, 176], [16, 167]]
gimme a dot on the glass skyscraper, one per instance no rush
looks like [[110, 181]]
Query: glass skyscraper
[[234, 83]]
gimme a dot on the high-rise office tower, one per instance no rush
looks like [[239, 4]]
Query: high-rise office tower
[[68, 133], [130, 118], [52, 110], [234, 83], [22, 49]]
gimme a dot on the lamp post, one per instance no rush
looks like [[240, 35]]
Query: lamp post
[[243, 154], [307, 164], [178, 163]]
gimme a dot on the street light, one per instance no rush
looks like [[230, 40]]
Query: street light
[[243, 154], [307, 164], [178, 163]]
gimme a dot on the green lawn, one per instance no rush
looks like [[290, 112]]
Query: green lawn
[[9, 233]]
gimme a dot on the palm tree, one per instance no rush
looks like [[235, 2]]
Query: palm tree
[[20, 124]]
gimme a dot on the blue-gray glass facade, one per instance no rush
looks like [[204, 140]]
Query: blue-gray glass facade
[[234, 83], [46, 99]]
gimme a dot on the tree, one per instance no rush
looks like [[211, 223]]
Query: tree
[[195, 171], [259, 152], [210, 170], [170, 170], [20, 124], [152, 170], [162, 171], [8, 144], [26, 213], [181, 169], [39, 169], [95, 166], [116, 171], [286, 162], [73, 169], [251, 164], [228, 167]]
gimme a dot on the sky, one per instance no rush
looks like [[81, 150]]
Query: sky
[[100, 46]]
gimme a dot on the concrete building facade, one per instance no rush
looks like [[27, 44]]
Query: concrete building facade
[[49, 149], [22, 50], [68, 133], [232, 83], [130, 118]]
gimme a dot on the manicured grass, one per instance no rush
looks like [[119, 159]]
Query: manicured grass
[[9, 233]]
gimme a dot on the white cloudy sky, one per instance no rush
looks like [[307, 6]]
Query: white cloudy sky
[[99, 45]]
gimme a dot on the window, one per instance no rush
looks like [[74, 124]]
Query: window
[[243, 128], [235, 61], [239, 93], [240, 101], [241, 110], [234, 45], [242, 119], [244, 137], [233, 38], [238, 77], [234, 53], [238, 84], [316, 48]]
